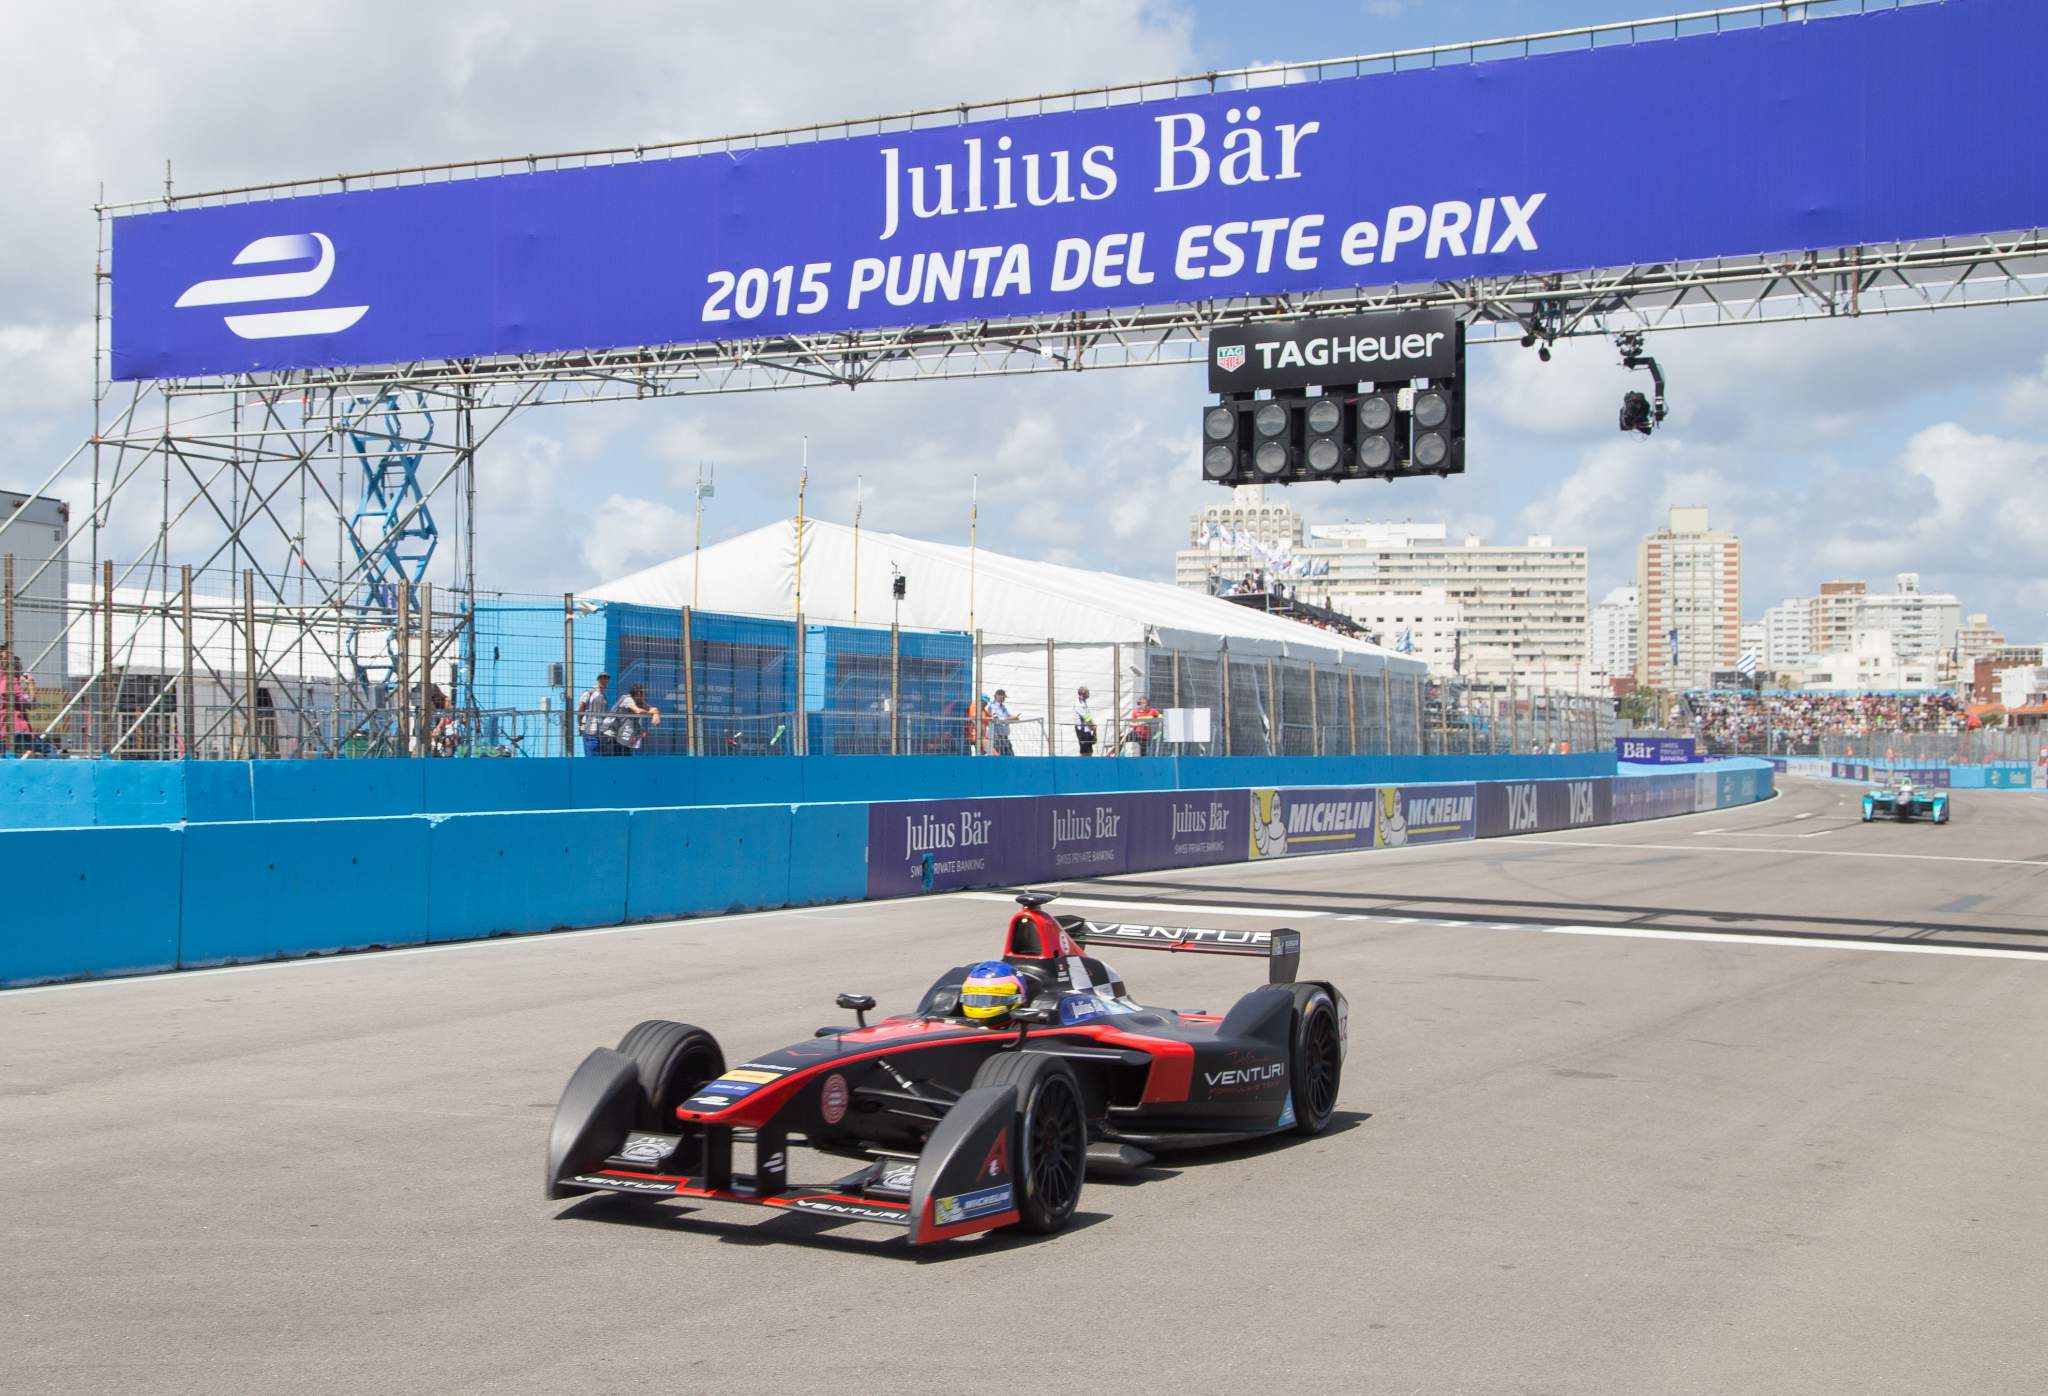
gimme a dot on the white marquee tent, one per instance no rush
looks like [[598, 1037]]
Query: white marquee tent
[[1116, 635]]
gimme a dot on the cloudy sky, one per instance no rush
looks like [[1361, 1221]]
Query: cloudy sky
[[1892, 444]]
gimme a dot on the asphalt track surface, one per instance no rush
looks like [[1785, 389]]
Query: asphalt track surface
[[1631, 1110]]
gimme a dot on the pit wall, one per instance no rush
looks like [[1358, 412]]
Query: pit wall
[[78, 794], [1997, 775], [92, 902]]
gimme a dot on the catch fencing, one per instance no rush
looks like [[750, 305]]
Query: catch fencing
[[158, 663]]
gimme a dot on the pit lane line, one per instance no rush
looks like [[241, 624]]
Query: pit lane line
[[1782, 852], [1615, 932]]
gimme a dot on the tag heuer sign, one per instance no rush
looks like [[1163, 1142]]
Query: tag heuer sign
[[1390, 348]]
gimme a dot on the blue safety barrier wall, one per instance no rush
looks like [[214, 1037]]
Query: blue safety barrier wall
[[115, 900], [86, 903], [1996, 775], [79, 794]]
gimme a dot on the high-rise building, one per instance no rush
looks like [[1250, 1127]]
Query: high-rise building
[[1788, 633], [1617, 634], [1689, 580], [1923, 625], [1976, 640], [1831, 628], [1516, 615]]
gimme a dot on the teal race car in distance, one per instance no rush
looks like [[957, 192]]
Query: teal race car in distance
[[1904, 800]]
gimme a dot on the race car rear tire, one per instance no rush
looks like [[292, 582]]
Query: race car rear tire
[[673, 1060], [1049, 1146], [1315, 1064]]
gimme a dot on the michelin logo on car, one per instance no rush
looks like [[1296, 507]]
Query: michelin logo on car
[[278, 286]]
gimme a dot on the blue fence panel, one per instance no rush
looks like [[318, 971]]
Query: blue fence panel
[[828, 853], [519, 872], [687, 862], [138, 792], [633, 782], [46, 794], [336, 789], [218, 791], [462, 787], [83, 903], [263, 890], [754, 780]]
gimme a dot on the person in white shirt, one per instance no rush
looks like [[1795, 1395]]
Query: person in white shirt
[[999, 717], [591, 710], [1084, 723]]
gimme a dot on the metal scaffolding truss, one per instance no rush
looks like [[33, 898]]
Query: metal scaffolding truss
[[248, 471]]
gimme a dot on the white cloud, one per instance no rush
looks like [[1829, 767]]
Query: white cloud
[[626, 534]]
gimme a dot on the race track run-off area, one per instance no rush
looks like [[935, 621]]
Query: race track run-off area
[[1737, 1102]]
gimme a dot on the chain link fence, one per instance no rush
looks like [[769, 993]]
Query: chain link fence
[[235, 665]]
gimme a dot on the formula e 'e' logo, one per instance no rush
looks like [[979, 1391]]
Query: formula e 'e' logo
[[278, 286], [1230, 357]]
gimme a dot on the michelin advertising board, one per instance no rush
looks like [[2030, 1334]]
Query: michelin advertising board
[[1348, 818]]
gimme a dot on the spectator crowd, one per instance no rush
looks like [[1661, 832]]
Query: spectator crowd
[[1765, 722]]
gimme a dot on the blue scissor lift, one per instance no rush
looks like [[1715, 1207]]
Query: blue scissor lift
[[394, 537]]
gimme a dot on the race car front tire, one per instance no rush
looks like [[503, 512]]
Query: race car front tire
[[673, 1060], [1049, 1147], [1315, 1059]]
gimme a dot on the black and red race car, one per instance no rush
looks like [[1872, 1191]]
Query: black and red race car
[[963, 1127]]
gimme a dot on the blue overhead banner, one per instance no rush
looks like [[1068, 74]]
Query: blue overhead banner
[[1890, 126]]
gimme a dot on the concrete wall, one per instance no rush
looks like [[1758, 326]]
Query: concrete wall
[[87, 794], [98, 901]]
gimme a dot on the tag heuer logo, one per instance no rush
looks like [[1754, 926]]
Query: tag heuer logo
[[1230, 357]]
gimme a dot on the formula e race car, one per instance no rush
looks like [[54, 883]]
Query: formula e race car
[[1903, 800], [964, 1126]]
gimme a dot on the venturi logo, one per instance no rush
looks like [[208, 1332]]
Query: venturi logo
[[278, 286]]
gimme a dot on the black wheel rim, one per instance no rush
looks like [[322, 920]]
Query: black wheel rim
[[1056, 1147], [1321, 1064]]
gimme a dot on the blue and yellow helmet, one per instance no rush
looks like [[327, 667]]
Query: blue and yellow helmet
[[991, 989]]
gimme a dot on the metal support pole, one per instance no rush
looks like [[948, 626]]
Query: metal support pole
[[976, 720], [1315, 721], [1387, 710], [7, 588], [1223, 663], [1051, 697], [1351, 708], [569, 747], [249, 663], [106, 704], [799, 721], [689, 683], [895, 687], [426, 719], [1116, 697], [401, 693], [187, 702], [1273, 724]]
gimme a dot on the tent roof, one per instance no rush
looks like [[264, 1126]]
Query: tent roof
[[1012, 599]]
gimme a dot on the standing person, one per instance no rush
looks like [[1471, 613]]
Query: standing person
[[17, 691], [977, 726], [590, 715], [1084, 722], [1143, 716], [630, 719], [999, 719]]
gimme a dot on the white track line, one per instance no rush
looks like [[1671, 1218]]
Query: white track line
[[1253, 911], [1798, 942], [1781, 852]]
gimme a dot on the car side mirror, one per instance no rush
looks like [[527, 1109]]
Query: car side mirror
[[1033, 1013], [860, 1004]]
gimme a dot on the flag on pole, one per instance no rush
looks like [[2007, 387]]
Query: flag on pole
[[1747, 664], [1672, 635]]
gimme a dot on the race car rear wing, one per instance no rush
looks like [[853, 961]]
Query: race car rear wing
[[1281, 949]]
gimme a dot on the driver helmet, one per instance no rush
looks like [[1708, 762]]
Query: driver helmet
[[990, 991]]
